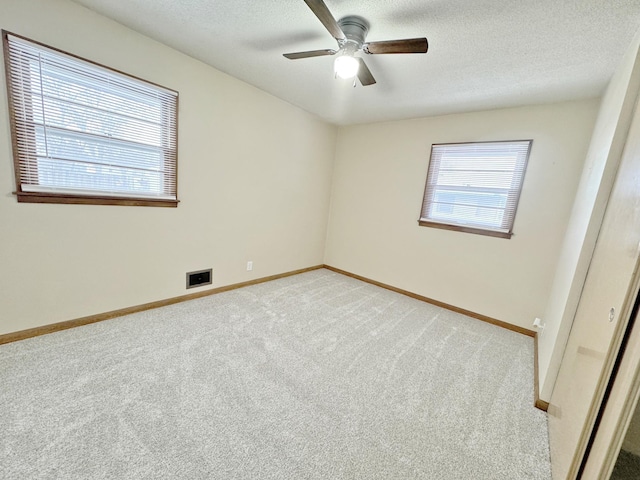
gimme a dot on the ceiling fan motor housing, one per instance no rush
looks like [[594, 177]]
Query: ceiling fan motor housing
[[355, 29]]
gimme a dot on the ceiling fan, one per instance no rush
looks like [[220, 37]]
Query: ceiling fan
[[350, 33]]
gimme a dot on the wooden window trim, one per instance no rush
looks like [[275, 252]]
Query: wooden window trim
[[460, 228], [38, 197], [78, 199]]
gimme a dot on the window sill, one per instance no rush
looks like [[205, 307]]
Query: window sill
[[460, 228], [34, 197]]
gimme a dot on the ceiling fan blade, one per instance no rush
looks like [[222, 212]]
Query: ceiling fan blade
[[310, 53], [364, 74], [324, 15], [410, 45]]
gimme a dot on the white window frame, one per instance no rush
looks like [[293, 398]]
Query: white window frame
[[475, 187], [84, 133]]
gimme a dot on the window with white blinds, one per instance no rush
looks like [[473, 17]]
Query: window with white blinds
[[475, 187], [83, 133]]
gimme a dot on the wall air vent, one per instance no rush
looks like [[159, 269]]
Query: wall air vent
[[199, 278]]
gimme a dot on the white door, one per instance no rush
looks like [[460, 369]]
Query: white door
[[602, 315]]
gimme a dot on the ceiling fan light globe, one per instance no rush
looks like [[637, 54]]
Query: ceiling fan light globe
[[346, 66]]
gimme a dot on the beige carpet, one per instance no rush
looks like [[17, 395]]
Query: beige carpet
[[315, 376]]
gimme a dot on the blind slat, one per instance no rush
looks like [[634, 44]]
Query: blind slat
[[80, 128]]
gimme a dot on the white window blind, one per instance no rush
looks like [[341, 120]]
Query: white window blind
[[84, 130], [475, 186]]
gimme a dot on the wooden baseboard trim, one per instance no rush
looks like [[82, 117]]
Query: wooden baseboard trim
[[437, 303], [540, 404], [56, 327]]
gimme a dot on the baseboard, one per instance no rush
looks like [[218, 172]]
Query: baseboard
[[437, 303], [56, 327], [540, 404]]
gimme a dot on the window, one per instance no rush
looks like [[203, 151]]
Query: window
[[475, 187], [83, 133]]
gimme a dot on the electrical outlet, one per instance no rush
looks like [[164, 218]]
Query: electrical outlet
[[537, 323], [249, 266]]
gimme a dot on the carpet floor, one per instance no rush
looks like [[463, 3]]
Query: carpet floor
[[314, 376], [627, 467]]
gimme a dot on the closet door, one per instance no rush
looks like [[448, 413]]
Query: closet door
[[601, 318]]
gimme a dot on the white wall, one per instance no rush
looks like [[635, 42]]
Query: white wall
[[378, 184], [603, 158], [254, 184]]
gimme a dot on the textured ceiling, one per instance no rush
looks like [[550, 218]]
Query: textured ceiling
[[482, 53]]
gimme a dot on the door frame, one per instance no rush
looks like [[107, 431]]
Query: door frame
[[606, 380], [622, 329], [619, 403]]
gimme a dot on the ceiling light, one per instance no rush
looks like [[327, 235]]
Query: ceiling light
[[346, 66]]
